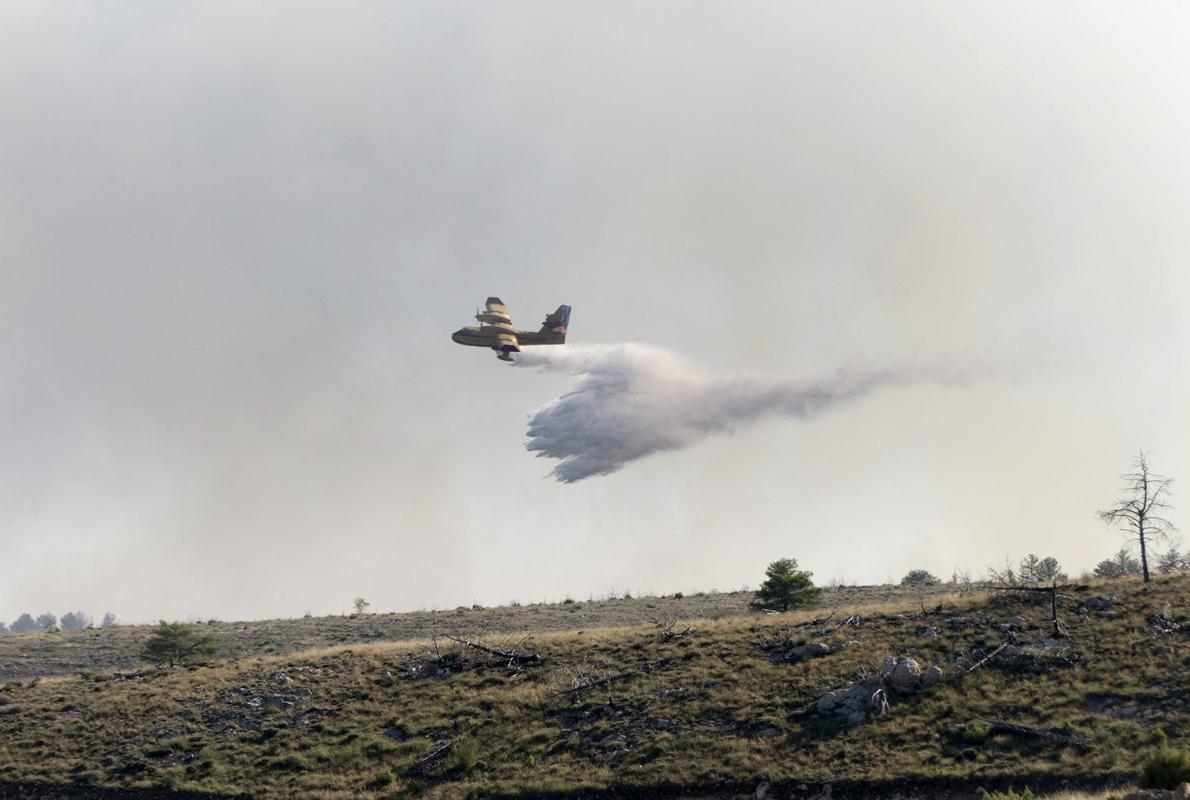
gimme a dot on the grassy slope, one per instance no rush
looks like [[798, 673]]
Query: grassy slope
[[695, 719], [69, 652]]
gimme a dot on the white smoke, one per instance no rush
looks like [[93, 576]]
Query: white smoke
[[631, 401]]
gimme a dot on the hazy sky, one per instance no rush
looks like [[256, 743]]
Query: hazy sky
[[235, 238]]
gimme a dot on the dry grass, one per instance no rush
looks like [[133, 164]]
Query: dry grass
[[28, 655], [707, 712]]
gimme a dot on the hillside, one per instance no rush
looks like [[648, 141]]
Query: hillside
[[634, 712], [29, 655]]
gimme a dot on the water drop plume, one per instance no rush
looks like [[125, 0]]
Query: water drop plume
[[630, 401]]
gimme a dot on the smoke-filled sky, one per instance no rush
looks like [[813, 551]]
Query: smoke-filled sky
[[235, 238]]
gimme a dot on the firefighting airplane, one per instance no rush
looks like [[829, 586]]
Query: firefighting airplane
[[496, 331]]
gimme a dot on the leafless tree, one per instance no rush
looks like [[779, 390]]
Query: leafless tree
[[1004, 577], [1139, 510]]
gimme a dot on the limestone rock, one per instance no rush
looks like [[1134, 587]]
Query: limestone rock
[[808, 651], [1151, 794], [613, 741], [853, 703]]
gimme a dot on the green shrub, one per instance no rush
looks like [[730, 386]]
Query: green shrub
[[290, 763], [381, 779], [976, 733], [466, 754], [1011, 794], [176, 643], [1165, 768]]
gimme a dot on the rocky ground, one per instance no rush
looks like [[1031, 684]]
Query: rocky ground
[[926, 700], [30, 655]]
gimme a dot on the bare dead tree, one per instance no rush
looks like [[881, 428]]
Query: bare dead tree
[[1140, 508], [1000, 578]]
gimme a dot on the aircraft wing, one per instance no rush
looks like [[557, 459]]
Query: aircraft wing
[[498, 326]]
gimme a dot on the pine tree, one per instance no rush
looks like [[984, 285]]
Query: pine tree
[[24, 623], [786, 587], [1123, 563], [1173, 561], [1034, 569], [176, 643], [1049, 570], [75, 621]]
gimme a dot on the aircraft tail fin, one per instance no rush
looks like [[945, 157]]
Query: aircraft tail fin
[[556, 323]]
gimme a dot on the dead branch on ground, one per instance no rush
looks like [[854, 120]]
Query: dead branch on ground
[[670, 634], [1025, 731], [512, 658], [987, 658], [606, 680], [431, 759]]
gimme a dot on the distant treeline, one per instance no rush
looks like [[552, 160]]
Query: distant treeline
[[71, 621]]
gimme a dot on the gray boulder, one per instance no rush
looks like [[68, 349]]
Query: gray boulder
[[808, 651], [855, 702], [905, 677]]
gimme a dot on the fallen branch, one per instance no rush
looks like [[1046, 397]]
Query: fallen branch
[[781, 640], [670, 634], [430, 760], [667, 625], [607, 680], [1163, 624], [1027, 732], [512, 657], [823, 620], [987, 658], [1052, 591]]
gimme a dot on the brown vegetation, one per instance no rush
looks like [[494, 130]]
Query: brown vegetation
[[711, 712], [118, 648]]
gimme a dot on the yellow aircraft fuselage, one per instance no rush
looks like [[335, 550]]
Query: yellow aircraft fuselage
[[496, 332]]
